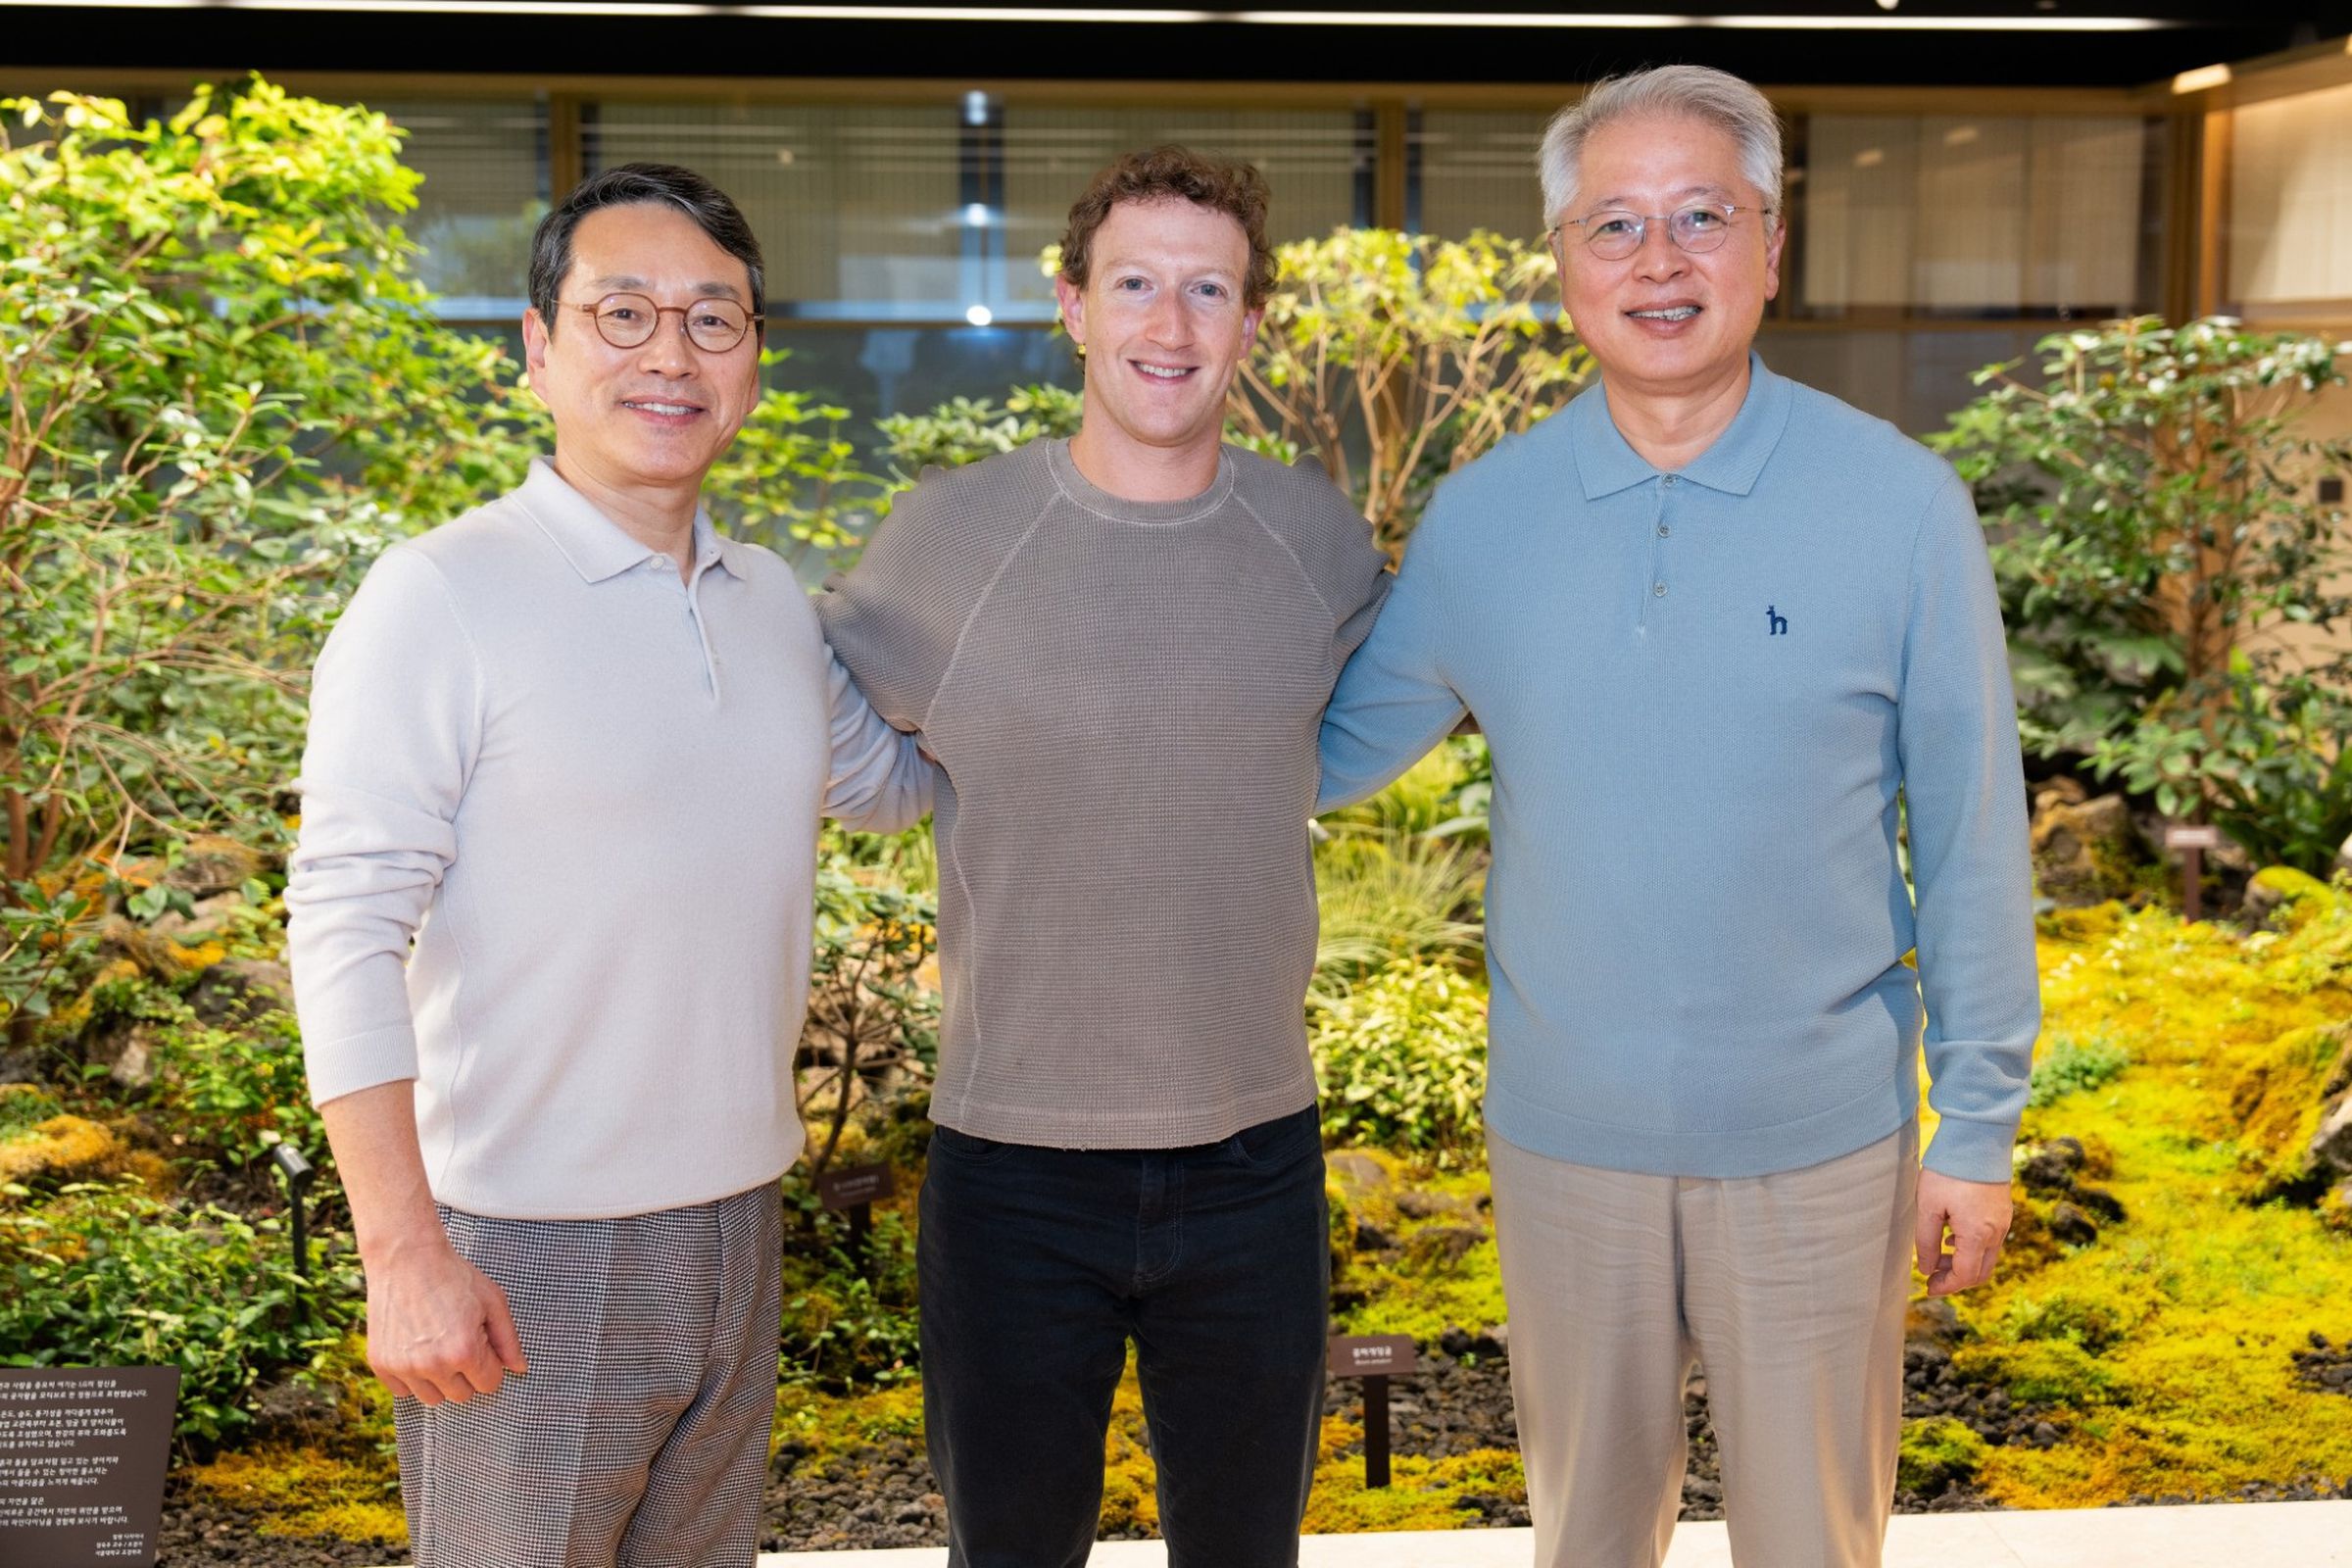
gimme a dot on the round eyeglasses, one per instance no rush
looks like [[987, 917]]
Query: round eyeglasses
[[629, 320], [1613, 233]]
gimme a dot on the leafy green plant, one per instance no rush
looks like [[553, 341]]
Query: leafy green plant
[[2073, 1066], [873, 1024], [109, 1276], [1936, 1453], [45, 938], [849, 1319], [224, 393], [790, 475], [232, 1094], [1393, 359], [1402, 1058], [1386, 895], [966, 429], [2154, 526], [2267, 761]]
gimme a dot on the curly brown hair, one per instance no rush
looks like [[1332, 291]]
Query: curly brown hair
[[1172, 173]]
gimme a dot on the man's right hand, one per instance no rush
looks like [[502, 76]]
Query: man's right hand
[[438, 1328]]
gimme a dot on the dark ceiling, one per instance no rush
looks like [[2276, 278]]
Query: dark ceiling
[[210, 38]]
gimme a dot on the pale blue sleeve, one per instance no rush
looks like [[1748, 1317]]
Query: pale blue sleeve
[[1965, 796], [1392, 702]]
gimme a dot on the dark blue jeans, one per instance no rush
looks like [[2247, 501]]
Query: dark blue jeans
[[1039, 1264]]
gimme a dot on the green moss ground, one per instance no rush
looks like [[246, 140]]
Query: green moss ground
[[2190, 1062], [2167, 1341]]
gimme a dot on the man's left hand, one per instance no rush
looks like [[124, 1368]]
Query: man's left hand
[[1975, 1215]]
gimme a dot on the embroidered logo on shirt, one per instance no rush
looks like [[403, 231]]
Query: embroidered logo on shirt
[[1777, 624]]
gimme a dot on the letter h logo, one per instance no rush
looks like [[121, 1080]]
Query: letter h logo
[[1777, 624]]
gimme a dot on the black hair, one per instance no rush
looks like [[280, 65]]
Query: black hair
[[709, 207]]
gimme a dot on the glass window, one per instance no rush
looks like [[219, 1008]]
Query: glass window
[[1476, 168], [1978, 215], [2289, 217], [856, 205], [486, 169], [1913, 377], [1309, 157]]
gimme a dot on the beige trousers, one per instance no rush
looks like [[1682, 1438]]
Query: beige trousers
[[1788, 1290]]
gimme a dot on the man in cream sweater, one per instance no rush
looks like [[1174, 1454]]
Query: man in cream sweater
[[574, 745]]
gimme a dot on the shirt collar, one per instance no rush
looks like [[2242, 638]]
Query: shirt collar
[[1606, 462], [599, 548]]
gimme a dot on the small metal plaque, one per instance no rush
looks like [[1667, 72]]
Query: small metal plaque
[[82, 1452], [853, 1185], [2191, 836], [1364, 1356]]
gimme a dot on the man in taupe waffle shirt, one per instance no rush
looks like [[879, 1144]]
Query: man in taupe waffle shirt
[[1119, 647]]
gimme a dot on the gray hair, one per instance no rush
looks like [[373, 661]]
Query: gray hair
[[661, 183], [1688, 93]]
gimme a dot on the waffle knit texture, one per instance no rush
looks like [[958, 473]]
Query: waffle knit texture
[[1124, 697], [589, 793], [1704, 692]]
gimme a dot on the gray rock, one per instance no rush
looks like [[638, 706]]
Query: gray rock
[[215, 863], [2332, 1145], [1440, 1247], [127, 1049], [1932, 1320], [2073, 1226], [241, 988], [2085, 853], [1416, 1205], [2101, 1202], [1355, 1172]]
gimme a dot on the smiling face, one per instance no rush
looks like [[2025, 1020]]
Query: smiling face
[[658, 415], [1662, 322], [1163, 324]]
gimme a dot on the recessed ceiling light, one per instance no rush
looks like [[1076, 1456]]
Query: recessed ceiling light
[[1032, 14]]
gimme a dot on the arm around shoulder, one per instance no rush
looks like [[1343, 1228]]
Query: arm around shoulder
[[878, 779], [1392, 702]]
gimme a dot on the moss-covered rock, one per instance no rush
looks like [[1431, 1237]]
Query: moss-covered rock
[[2087, 851], [1936, 1454], [2287, 898], [67, 1148]]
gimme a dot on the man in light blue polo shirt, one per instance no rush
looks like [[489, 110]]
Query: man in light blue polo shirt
[[1726, 636]]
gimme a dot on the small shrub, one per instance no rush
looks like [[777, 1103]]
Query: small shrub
[[1386, 896], [2077, 1319], [108, 1276], [2039, 1371], [872, 1034], [1402, 1058], [966, 429], [234, 1094], [1937, 1452], [2073, 1066], [845, 1323], [23, 1106]]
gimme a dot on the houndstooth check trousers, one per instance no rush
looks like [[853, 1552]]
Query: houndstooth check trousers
[[639, 1437]]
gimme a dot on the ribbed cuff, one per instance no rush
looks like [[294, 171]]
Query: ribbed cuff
[[360, 1061], [1972, 1151]]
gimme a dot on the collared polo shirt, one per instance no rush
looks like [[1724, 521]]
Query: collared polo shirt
[[589, 792], [1705, 690]]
